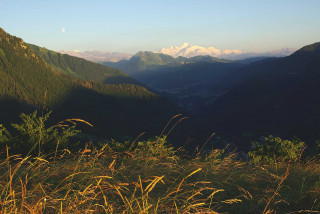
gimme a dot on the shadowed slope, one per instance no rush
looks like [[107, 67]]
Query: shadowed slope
[[113, 108], [281, 97]]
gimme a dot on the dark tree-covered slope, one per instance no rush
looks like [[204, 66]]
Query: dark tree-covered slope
[[279, 96], [28, 82]]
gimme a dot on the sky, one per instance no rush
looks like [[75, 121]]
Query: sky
[[134, 25]]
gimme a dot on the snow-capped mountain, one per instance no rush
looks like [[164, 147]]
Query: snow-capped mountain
[[187, 50]]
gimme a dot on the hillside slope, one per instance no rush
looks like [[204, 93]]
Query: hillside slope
[[80, 68], [280, 96], [28, 83]]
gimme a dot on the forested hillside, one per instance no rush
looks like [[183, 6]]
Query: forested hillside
[[80, 68], [279, 96], [28, 83]]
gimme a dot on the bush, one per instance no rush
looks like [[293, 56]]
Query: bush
[[32, 135], [4, 134], [157, 147], [274, 149]]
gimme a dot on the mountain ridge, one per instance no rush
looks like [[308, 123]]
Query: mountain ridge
[[148, 60], [185, 50]]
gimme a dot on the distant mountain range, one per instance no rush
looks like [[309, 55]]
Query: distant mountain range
[[185, 50], [98, 56], [147, 60]]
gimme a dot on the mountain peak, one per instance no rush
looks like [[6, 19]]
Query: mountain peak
[[187, 50], [143, 53], [184, 45]]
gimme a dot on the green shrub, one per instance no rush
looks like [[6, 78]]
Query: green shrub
[[32, 135], [215, 154], [152, 149], [274, 149], [116, 146], [4, 134], [157, 147]]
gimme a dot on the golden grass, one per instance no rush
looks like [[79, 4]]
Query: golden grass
[[150, 177], [103, 181]]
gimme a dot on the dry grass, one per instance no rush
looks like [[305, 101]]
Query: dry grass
[[105, 181]]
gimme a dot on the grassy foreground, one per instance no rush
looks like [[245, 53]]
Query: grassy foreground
[[147, 177], [151, 180]]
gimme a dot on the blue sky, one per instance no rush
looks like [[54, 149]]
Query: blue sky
[[133, 25]]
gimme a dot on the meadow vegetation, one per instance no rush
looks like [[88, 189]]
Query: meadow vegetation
[[41, 171]]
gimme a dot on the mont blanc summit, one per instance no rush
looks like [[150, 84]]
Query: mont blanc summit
[[188, 50]]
